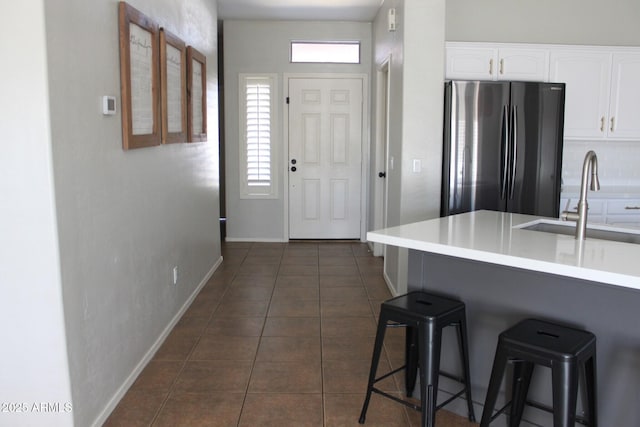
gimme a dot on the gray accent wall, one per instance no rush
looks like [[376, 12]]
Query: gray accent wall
[[93, 232], [497, 297]]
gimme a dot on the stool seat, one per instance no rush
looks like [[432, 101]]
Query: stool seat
[[424, 315], [422, 307], [567, 351]]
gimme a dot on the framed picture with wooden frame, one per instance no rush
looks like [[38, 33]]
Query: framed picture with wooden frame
[[173, 77], [196, 95], [139, 78]]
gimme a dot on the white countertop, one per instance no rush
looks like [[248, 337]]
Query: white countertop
[[490, 237]]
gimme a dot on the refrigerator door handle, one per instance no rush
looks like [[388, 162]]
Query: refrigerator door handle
[[514, 149], [505, 154]]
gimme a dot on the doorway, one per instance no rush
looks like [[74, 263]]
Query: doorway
[[381, 153]]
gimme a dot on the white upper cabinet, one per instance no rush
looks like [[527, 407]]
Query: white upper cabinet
[[602, 99], [523, 64], [624, 110], [587, 76], [480, 61], [603, 92], [470, 63]]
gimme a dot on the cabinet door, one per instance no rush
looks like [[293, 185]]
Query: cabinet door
[[523, 65], [471, 63], [587, 75], [624, 119]]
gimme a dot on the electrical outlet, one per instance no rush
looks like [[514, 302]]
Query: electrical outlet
[[175, 275]]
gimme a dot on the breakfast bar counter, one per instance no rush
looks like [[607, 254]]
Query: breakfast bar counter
[[505, 273], [496, 237]]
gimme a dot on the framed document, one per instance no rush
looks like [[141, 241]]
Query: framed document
[[139, 79], [173, 75], [197, 95]]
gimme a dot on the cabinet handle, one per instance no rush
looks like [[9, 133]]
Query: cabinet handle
[[491, 67], [612, 123], [602, 124], [632, 208], [502, 66]]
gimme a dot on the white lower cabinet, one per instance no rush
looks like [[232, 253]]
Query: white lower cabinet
[[595, 211], [623, 212], [617, 212]]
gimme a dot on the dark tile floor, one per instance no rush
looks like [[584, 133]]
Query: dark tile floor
[[281, 335]]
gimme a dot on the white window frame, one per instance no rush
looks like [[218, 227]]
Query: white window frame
[[267, 190], [324, 52]]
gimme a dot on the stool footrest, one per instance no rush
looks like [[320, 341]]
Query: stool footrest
[[500, 411], [414, 406], [451, 399], [452, 377], [396, 325], [579, 419], [388, 374], [397, 399]]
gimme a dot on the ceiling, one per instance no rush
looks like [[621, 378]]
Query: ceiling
[[316, 10]]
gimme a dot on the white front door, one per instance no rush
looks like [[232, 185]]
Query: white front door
[[325, 158]]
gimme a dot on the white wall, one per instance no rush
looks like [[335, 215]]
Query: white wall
[[595, 22], [33, 359], [416, 51], [125, 218], [263, 47], [424, 57], [389, 46]]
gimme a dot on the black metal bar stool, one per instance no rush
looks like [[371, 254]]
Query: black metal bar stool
[[424, 315], [567, 351]]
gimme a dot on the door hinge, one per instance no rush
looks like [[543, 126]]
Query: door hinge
[[287, 99]]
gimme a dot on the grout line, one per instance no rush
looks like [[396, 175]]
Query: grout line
[[255, 356], [320, 318]]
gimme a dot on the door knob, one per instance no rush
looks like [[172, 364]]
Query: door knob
[[293, 161], [293, 169], [382, 174]]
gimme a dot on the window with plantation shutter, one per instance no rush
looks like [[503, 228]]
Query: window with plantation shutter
[[257, 127]]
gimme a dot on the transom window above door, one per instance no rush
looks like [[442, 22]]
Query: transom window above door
[[325, 52]]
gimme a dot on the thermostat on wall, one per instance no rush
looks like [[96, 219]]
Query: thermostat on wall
[[108, 105]]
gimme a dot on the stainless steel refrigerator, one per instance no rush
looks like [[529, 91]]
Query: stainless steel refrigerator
[[502, 147]]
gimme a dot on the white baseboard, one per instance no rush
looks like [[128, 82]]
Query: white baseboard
[[248, 239], [387, 280], [122, 390]]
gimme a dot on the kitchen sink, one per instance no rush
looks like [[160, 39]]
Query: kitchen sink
[[601, 232]]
